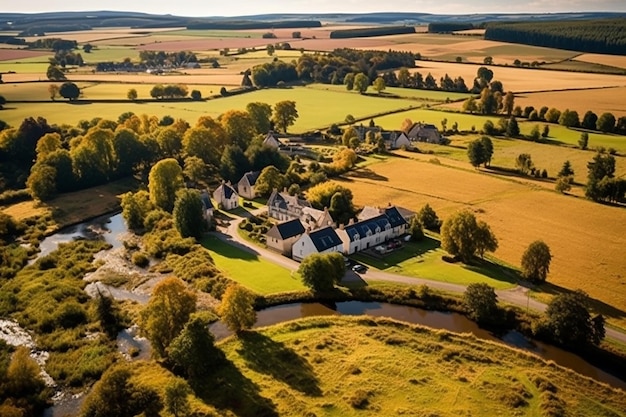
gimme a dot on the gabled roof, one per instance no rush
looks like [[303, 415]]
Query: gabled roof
[[283, 200], [370, 226], [272, 140], [394, 216], [251, 177], [286, 230], [368, 212], [226, 191], [206, 200], [325, 238]]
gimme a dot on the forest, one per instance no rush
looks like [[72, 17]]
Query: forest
[[606, 36], [368, 32]]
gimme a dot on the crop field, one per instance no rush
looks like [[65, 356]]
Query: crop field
[[237, 265], [598, 100], [523, 79], [586, 238], [363, 366], [426, 95], [19, 54], [609, 60], [317, 108]]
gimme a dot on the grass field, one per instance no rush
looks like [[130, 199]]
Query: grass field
[[250, 270], [465, 121], [423, 260], [317, 108], [585, 238], [409, 93], [356, 366], [596, 100]]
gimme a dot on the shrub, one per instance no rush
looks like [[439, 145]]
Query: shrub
[[140, 259]]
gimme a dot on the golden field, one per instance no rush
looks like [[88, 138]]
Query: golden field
[[587, 239]]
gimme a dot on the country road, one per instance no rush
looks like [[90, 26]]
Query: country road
[[517, 296]]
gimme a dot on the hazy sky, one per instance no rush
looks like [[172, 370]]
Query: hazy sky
[[247, 7]]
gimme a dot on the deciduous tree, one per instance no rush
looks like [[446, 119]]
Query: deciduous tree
[[188, 213], [476, 153], [239, 128], [164, 180], [481, 301], [606, 122], [463, 236], [428, 218], [176, 401], [261, 115], [524, 163], [536, 261], [194, 352], [379, 85], [69, 91], [132, 94], [285, 114], [237, 308], [320, 272], [361, 82], [569, 322], [167, 312]]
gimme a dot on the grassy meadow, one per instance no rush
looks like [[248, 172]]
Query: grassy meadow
[[250, 270], [357, 366], [585, 238]]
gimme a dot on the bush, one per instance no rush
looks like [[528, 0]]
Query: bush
[[140, 259]]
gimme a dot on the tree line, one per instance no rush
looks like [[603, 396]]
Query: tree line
[[370, 32], [604, 36]]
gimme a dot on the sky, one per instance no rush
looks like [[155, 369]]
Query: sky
[[203, 8]]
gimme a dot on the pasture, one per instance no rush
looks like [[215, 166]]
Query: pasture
[[317, 108], [364, 366], [586, 239], [239, 265]]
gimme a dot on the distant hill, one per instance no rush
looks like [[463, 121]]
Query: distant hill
[[22, 21]]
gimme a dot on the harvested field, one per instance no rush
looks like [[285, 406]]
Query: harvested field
[[609, 60], [17, 54], [523, 79], [201, 44], [597, 100], [586, 238]]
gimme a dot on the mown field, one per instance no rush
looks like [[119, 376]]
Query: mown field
[[345, 366], [586, 238]]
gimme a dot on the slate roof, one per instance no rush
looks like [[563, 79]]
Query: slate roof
[[206, 200], [325, 238], [226, 190], [370, 225], [251, 176], [394, 216], [286, 230], [284, 200]]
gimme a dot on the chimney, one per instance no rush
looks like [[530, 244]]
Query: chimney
[[341, 226], [351, 222], [284, 189]]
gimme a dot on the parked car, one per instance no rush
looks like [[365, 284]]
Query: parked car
[[359, 269]]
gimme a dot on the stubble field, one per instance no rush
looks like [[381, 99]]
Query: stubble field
[[586, 238]]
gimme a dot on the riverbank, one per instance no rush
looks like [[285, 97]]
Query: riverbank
[[366, 366]]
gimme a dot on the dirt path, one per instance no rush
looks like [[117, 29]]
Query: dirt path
[[517, 296]]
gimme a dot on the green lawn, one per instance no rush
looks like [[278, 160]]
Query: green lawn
[[410, 93], [465, 121], [110, 53], [317, 109], [424, 260], [570, 136], [250, 270]]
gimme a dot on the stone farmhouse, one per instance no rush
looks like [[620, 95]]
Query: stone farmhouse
[[226, 197], [281, 237], [373, 231], [282, 207], [246, 185], [396, 139], [422, 132], [324, 240]]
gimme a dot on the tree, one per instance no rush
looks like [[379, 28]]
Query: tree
[[512, 128], [54, 73], [237, 308], [261, 115], [270, 179], [129, 151], [320, 272], [195, 170], [488, 149], [589, 120], [536, 261], [509, 103], [69, 91], [569, 118], [158, 91], [379, 84], [239, 128], [194, 352], [563, 184], [488, 103], [583, 141], [566, 170], [170, 142], [553, 115], [524, 163], [285, 114], [116, 395], [188, 213], [41, 182], [535, 135], [53, 90], [463, 236], [348, 81], [320, 196], [23, 377], [428, 218], [196, 95], [476, 153], [132, 94], [164, 180], [569, 322], [361, 82], [205, 143], [270, 49], [234, 163], [176, 402], [606, 122], [166, 314], [341, 209], [415, 230], [481, 301], [470, 106], [546, 131]]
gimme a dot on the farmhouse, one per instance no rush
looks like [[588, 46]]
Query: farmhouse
[[246, 184], [323, 240], [207, 206], [423, 132], [396, 140], [281, 237], [368, 212], [226, 196], [272, 141], [373, 231], [282, 206], [362, 131]]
